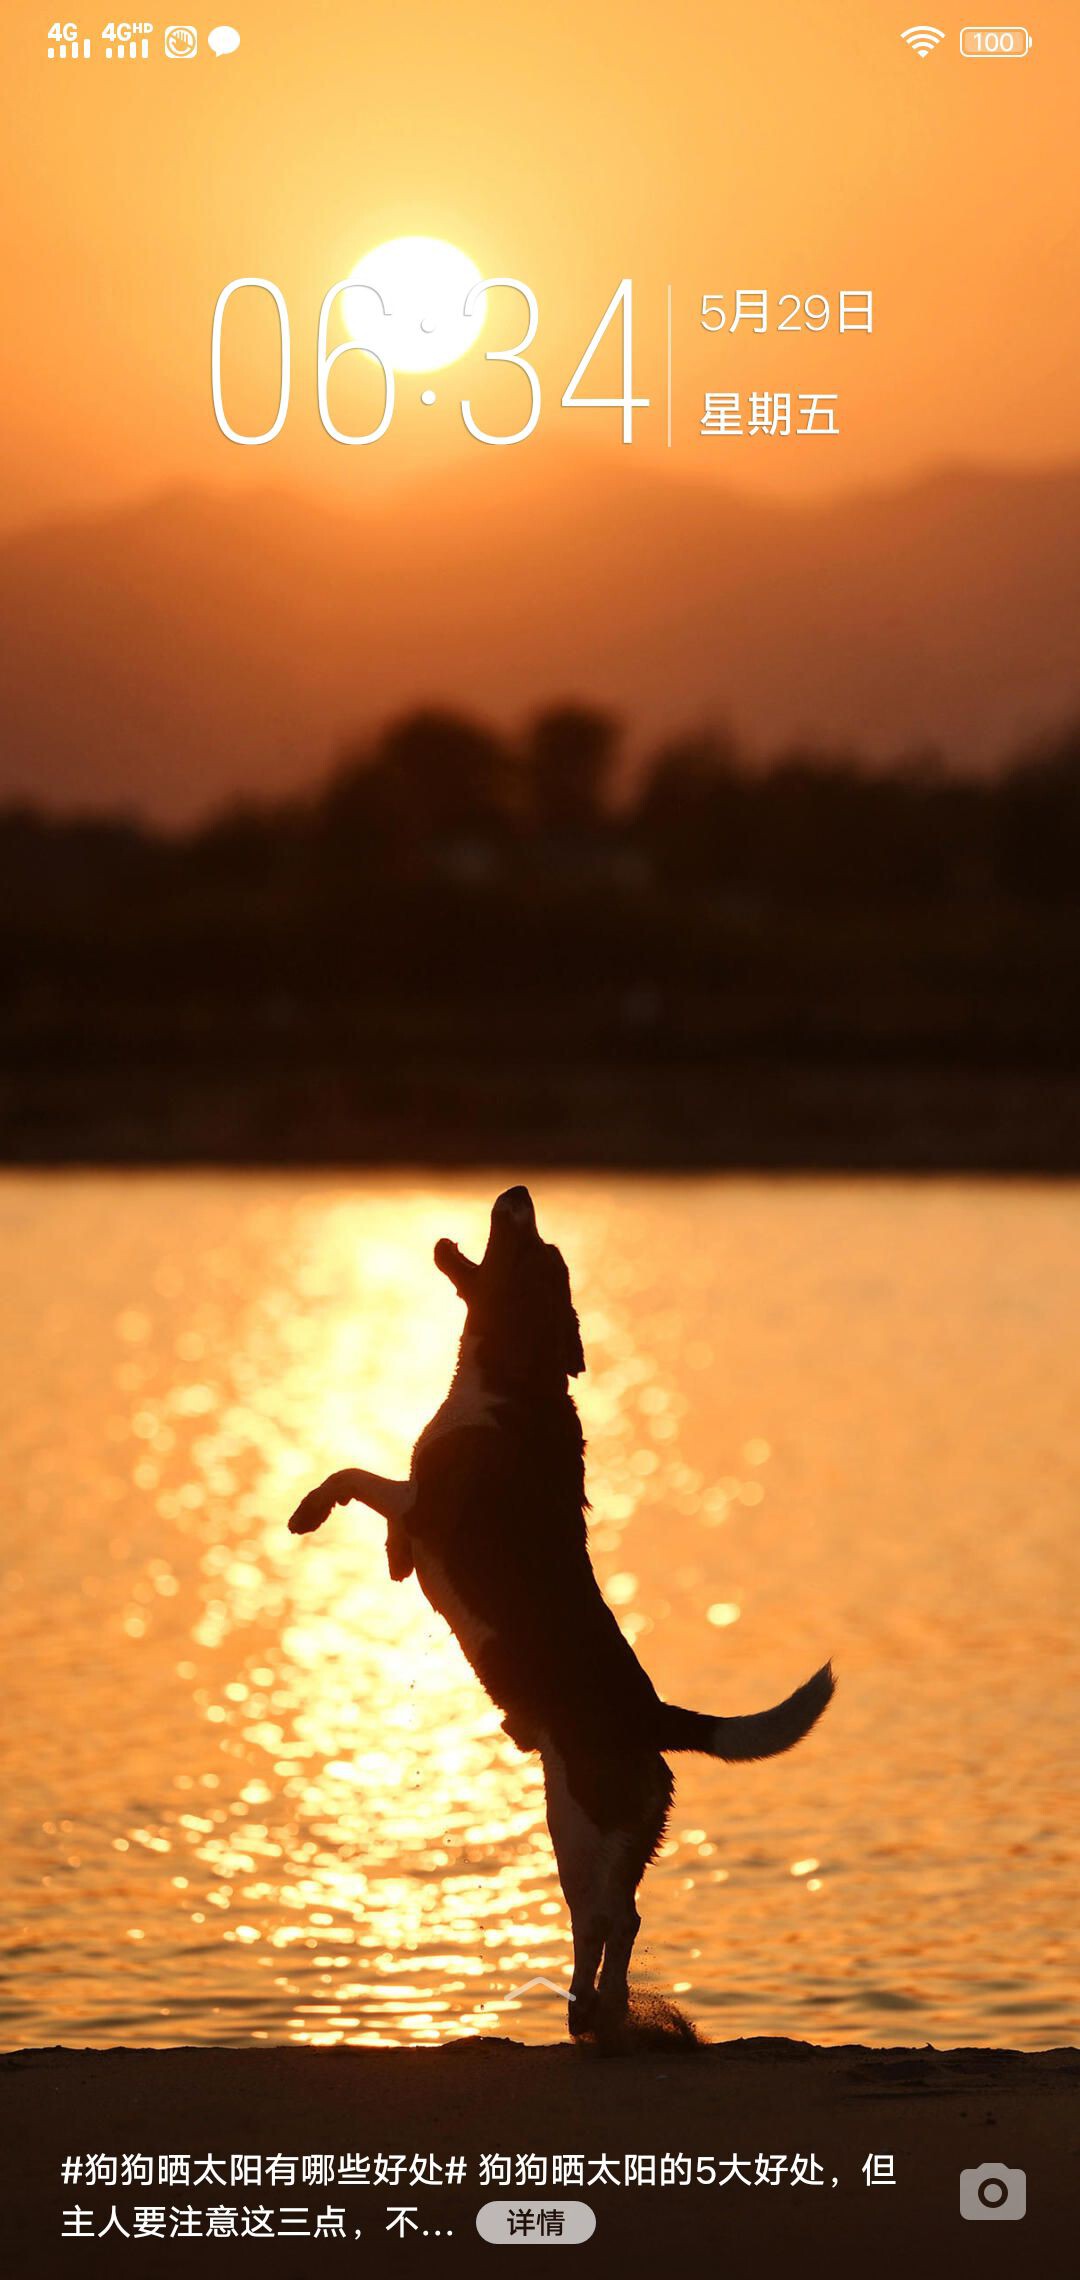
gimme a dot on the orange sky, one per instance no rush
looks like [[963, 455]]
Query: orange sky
[[794, 144]]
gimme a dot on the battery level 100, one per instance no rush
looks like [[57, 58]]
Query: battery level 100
[[995, 40]]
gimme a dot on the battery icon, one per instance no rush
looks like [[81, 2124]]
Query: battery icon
[[995, 40]]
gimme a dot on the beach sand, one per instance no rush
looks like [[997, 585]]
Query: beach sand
[[933, 2112]]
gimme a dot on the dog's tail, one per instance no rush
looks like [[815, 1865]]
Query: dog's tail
[[763, 1735]]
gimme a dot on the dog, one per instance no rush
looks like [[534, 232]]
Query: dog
[[492, 1521]]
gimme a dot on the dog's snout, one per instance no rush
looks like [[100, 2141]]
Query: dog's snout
[[516, 1203]]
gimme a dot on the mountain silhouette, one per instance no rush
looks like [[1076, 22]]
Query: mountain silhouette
[[198, 648]]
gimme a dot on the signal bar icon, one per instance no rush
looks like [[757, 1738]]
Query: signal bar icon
[[70, 50], [122, 48], [923, 39]]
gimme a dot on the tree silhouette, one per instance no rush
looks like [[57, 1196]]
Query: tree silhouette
[[570, 757], [690, 819], [1038, 818], [433, 778]]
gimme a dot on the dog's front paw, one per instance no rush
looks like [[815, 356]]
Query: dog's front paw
[[310, 1513], [523, 1736]]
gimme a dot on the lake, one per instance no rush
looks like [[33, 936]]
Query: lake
[[253, 1792]]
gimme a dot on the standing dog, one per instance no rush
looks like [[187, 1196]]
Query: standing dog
[[492, 1520]]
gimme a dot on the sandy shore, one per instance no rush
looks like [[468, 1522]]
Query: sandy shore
[[933, 2112]]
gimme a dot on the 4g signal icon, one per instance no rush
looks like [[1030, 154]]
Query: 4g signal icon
[[64, 42]]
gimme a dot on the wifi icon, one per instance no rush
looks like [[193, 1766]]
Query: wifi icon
[[924, 38]]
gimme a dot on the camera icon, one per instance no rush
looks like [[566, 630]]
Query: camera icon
[[991, 2190]]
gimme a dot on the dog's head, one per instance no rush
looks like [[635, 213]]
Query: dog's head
[[519, 1308]]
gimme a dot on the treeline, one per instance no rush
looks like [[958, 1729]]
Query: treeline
[[439, 801], [463, 948]]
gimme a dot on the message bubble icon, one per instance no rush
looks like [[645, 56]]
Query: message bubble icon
[[223, 40]]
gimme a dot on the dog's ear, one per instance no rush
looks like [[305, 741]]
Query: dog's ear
[[455, 1266], [571, 1351]]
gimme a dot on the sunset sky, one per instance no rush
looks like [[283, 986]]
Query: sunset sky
[[791, 144]]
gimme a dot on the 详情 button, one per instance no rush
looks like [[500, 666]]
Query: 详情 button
[[543, 2223]]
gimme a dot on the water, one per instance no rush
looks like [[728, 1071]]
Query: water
[[253, 1792]]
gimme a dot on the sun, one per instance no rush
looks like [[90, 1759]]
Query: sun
[[423, 283]]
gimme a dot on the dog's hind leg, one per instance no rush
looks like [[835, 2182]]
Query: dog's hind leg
[[613, 1992], [582, 1854], [590, 1932], [647, 1792]]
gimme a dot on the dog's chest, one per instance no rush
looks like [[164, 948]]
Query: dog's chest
[[469, 1404], [469, 1628]]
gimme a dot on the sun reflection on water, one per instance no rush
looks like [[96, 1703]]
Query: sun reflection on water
[[269, 1800]]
